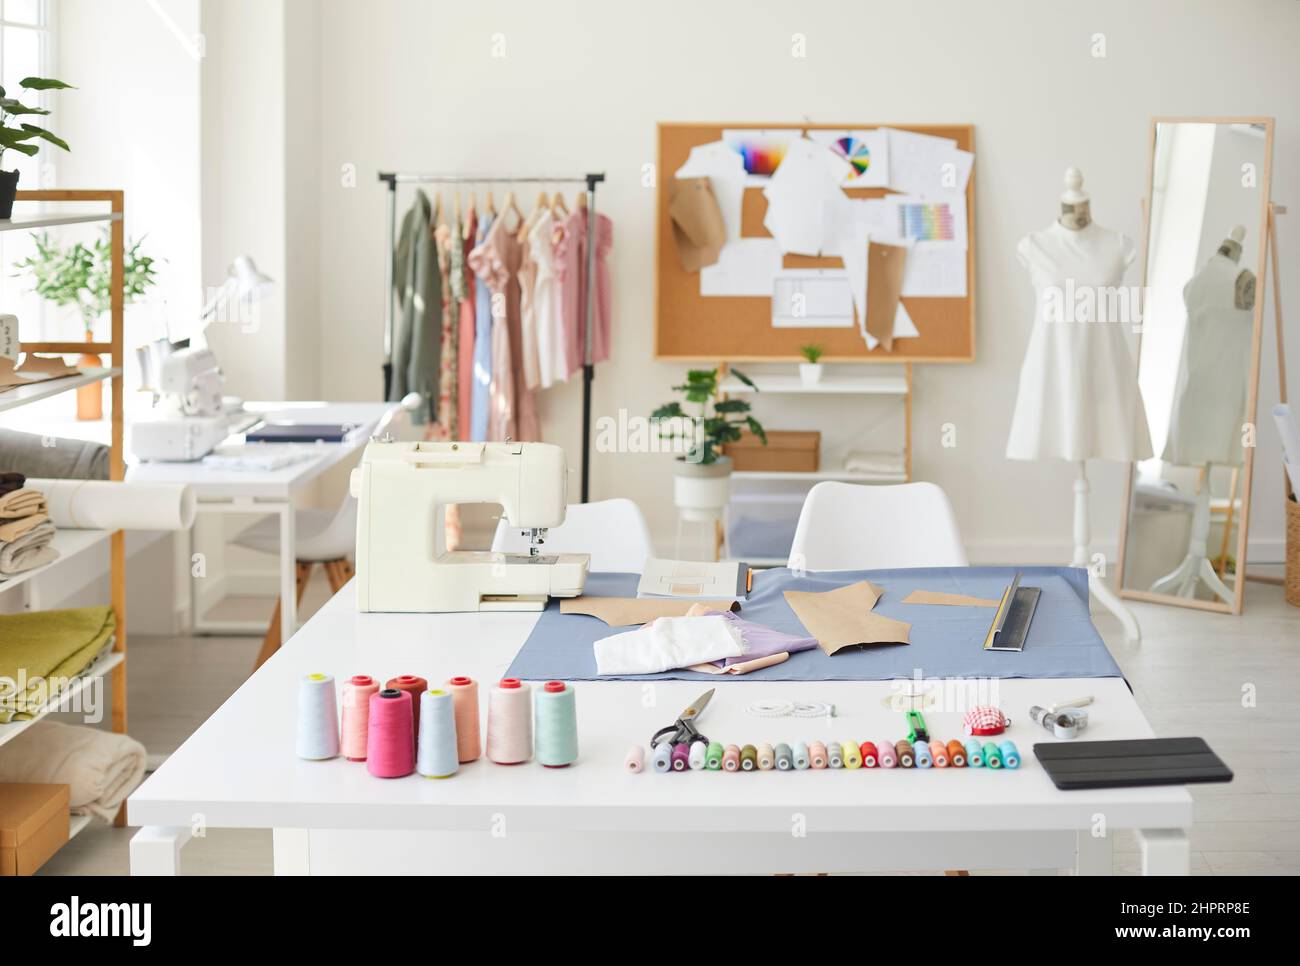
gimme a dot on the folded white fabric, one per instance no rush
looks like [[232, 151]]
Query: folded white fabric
[[101, 768], [667, 643]]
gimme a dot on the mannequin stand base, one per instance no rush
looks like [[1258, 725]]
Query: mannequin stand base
[[1182, 582], [1108, 599]]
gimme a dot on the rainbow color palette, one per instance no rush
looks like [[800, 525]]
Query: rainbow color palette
[[926, 221]]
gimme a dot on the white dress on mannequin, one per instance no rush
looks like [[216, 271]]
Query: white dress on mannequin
[[1079, 397], [1210, 398]]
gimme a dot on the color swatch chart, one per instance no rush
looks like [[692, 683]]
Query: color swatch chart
[[926, 221]]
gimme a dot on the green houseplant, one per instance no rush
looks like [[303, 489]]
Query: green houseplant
[[810, 372], [702, 476], [19, 135]]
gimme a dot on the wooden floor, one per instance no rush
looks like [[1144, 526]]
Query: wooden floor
[[1233, 680]]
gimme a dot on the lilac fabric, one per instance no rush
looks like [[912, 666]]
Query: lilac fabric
[[761, 641]]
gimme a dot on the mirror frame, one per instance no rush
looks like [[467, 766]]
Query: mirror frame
[[1252, 394]]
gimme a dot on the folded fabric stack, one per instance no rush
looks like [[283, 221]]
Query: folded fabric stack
[[43, 652], [100, 768], [25, 529]]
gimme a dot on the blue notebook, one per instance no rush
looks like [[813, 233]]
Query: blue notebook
[[299, 433]]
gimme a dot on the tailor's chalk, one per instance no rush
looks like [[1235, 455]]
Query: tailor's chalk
[[635, 759], [662, 759], [921, 751], [1010, 756], [939, 752], [681, 757], [903, 751], [868, 752], [817, 754], [766, 757], [974, 753], [731, 758], [834, 754], [801, 757], [713, 760], [784, 757], [956, 754], [992, 757], [748, 758], [699, 755], [886, 754], [851, 754]]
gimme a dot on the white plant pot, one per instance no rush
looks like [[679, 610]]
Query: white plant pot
[[701, 490], [810, 373]]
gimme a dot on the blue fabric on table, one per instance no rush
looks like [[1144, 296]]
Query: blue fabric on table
[[946, 641]]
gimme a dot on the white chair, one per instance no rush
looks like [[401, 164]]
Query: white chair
[[613, 531], [322, 537], [851, 526]]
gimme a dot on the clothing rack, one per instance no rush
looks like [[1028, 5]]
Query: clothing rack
[[394, 178]]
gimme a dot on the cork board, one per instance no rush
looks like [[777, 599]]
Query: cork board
[[691, 326]]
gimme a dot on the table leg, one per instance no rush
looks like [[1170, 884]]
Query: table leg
[[288, 575], [156, 850], [292, 851], [1095, 855], [1165, 851]]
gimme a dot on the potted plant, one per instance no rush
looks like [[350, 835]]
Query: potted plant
[[18, 135], [702, 475], [81, 275], [810, 372]]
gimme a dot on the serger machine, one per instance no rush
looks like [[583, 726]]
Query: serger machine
[[403, 488]]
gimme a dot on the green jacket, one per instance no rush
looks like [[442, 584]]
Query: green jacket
[[417, 324]]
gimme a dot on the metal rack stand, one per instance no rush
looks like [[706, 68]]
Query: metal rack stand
[[394, 178]]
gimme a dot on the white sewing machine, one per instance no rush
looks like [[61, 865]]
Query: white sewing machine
[[189, 416], [403, 487]]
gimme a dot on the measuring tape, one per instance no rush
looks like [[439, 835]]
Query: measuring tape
[[1066, 723]]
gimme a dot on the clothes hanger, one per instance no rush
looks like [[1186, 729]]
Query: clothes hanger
[[511, 205], [491, 205], [557, 204], [582, 200], [543, 202], [469, 216]]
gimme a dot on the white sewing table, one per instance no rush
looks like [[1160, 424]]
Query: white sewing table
[[219, 490], [239, 771]]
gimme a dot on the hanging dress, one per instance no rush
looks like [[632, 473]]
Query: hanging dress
[[480, 400], [465, 335], [571, 259], [447, 362]]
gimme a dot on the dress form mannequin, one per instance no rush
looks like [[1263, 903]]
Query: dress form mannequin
[[1210, 401], [1078, 396]]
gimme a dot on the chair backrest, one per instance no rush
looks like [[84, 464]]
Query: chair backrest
[[613, 531], [851, 526]]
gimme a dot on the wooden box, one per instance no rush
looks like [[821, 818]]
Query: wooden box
[[787, 451], [33, 825]]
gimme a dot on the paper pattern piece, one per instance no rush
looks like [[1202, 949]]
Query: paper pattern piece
[[842, 617], [725, 170], [885, 267], [798, 194], [698, 229], [626, 611], [662, 577], [747, 266], [818, 298], [866, 154], [925, 165], [950, 600], [32, 369], [761, 151]]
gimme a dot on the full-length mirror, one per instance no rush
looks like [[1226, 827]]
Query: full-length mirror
[[1188, 508]]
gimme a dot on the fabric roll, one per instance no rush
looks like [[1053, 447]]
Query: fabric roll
[[67, 459], [99, 767]]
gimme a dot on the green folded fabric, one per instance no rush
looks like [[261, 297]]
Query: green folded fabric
[[42, 652]]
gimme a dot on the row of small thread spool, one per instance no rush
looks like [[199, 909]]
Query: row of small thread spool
[[406, 726], [714, 756]]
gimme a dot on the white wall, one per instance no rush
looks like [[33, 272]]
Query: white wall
[[414, 85]]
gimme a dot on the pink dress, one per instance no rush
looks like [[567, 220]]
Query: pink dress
[[465, 346], [571, 268]]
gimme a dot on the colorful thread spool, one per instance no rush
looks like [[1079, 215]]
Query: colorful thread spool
[[766, 757], [801, 757], [464, 695], [436, 748], [903, 752], [731, 758], [713, 760], [699, 755], [390, 744], [851, 754], [681, 757], [318, 718], [510, 722], [956, 754], [921, 752], [939, 752], [868, 752], [555, 725], [1010, 755], [887, 754], [635, 760], [784, 757], [974, 753], [992, 757], [356, 715], [834, 754], [748, 758], [414, 686], [662, 759], [817, 754]]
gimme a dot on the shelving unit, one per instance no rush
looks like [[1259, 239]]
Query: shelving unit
[[71, 543]]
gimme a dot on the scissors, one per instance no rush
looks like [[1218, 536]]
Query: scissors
[[683, 729]]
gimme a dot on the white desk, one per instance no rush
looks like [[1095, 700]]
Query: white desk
[[239, 771], [269, 491]]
